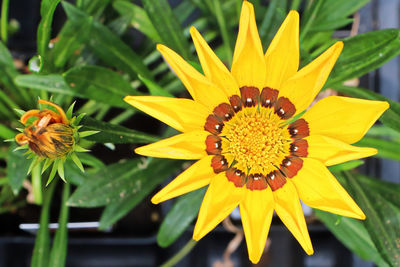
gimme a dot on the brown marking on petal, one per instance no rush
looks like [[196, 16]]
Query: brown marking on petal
[[213, 124], [236, 103], [219, 163], [284, 108], [299, 129], [276, 180], [213, 145], [268, 97], [299, 148], [256, 182], [236, 176], [224, 112], [291, 165], [250, 96]]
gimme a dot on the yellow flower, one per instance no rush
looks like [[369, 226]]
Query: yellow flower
[[250, 150]]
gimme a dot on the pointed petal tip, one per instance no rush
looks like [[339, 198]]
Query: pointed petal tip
[[309, 250], [293, 13], [385, 105], [196, 235], [161, 48], [193, 30], [254, 260], [129, 99], [155, 199]]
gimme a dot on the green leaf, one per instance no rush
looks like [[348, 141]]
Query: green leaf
[[99, 84], [167, 26], [17, 168], [40, 255], [383, 131], [109, 47], [6, 133], [383, 216], [363, 53], [7, 74], [389, 191], [120, 181], [353, 235], [91, 160], [53, 83], [140, 20], [386, 149], [154, 88], [58, 253], [390, 118], [93, 7], [180, 217], [135, 188], [346, 166], [73, 174], [334, 14], [71, 38], [116, 134], [47, 9]]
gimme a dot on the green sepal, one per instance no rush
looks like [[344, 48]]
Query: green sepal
[[53, 172], [21, 130], [9, 140], [70, 110], [60, 170], [77, 161], [87, 133], [20, 112], [34, 162], [79, 118], [30, 154], [80, 149], [21, 147], [46, 165]]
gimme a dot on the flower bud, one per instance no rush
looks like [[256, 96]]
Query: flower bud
[[50, 135]]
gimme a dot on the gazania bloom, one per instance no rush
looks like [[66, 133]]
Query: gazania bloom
[[51, 137], [252, 149]]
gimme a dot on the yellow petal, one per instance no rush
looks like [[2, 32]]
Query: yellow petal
[[302, 87], [248, 65], [282, 57], [196, 176], [221, 198], [190, 145], [199, 87], [319, 189], [344, 118], [212, 66], [331, 151], [288, 208], [256, 211], [182, 114]]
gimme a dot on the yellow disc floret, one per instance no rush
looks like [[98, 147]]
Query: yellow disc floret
[[256, 139]]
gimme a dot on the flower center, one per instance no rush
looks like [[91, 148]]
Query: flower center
[[256, 139], [252, 141]]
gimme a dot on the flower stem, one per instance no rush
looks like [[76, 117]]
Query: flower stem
[[4, 21], [37, 184], [181, 254]]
